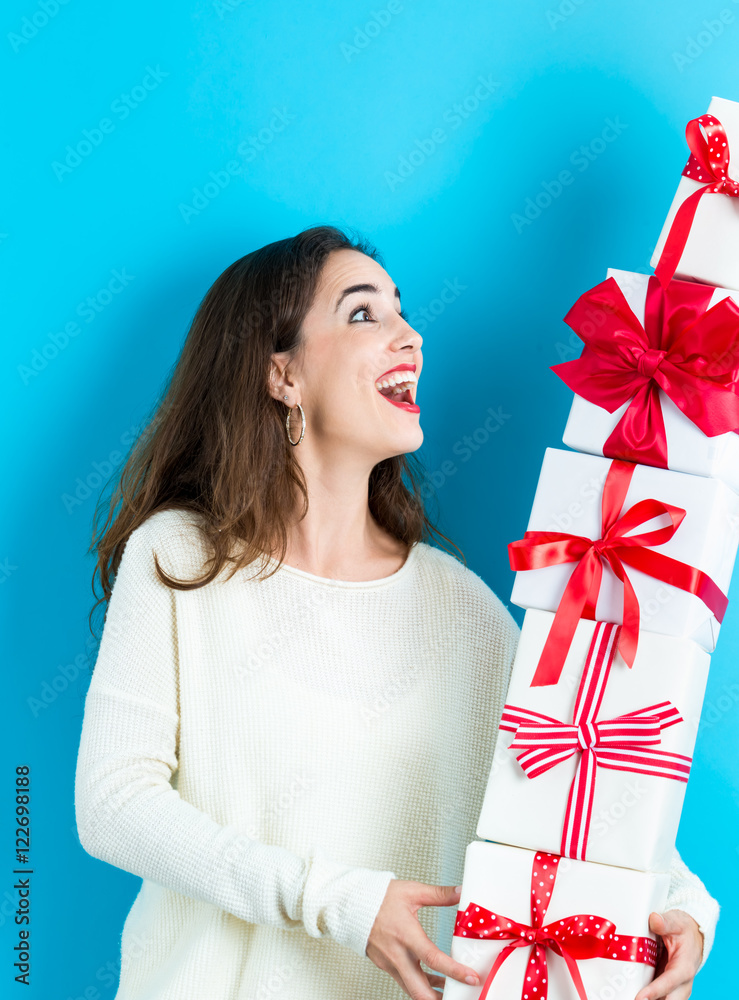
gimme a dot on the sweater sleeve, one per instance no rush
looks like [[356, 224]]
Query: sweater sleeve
[[131, 816], [687, 893]]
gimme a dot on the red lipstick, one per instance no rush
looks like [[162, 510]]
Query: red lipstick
[[405, 367], [401, 404]]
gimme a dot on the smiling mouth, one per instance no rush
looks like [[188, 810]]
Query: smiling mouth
[[397, 390]]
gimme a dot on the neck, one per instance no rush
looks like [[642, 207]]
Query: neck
[[338, 535]]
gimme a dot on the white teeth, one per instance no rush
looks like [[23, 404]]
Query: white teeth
[[396, 379]]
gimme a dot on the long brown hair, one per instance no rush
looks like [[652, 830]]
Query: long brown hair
[[216, 443]]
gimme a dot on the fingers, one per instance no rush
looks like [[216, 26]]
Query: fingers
[[435, 983], [681, 993], [436, 895], [425, 949], [683, 948], [670, 984], [418, 984], [683, 940], [398, 979], [438, 982], [671, 922], [398, 943]]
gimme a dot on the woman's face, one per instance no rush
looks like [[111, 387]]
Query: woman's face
[[353, 337]]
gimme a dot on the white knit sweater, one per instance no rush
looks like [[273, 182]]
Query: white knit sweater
[[268, 755]]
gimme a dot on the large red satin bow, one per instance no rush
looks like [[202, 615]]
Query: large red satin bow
[[709, 162], [577, 937], [538, 549], [684, 348], [626, 743]]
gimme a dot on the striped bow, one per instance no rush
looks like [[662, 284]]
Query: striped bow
[[626, 743]]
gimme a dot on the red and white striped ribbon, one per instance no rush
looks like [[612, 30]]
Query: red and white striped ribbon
[[626, 743]]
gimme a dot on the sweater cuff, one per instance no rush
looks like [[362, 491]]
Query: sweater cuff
[[706, 916], [341, 901]]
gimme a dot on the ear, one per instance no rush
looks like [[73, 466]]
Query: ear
[[281, 383]]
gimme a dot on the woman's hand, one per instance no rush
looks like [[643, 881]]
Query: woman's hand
[[398, 944], [681, 960]]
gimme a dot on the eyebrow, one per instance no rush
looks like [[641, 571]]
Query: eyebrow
[[362, 288]]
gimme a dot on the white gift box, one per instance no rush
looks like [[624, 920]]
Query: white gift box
[[688, 449], [499, 878], [568, 499], [634, 817], [712, 251]]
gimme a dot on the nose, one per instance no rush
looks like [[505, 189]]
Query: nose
[[407, 339]]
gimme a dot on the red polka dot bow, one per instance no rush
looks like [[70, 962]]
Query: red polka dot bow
[[709, 164], [578, 937]]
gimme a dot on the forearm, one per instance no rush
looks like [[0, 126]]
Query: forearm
[[130, 816]]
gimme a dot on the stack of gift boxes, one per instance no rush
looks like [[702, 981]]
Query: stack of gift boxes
[[623, 572]]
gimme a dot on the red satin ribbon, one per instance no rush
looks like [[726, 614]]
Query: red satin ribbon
[[685, 349], [538, 549], [709, 162], [575, 938], [626, 743]]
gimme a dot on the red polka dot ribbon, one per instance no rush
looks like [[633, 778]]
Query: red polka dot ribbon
[[574, 938], [618, 549], [683, 348], [626, 743], [708, 164]]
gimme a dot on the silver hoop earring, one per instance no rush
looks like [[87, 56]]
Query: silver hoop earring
[[287, 425]]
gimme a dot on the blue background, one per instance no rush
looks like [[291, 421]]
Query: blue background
[[332, 120]]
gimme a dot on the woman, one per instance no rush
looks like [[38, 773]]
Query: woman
[[293, 710]]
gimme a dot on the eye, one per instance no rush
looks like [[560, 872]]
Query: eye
[[363, 308]]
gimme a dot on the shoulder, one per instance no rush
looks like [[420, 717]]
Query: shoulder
[[175, 537], [466, 591], [451, 573]]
